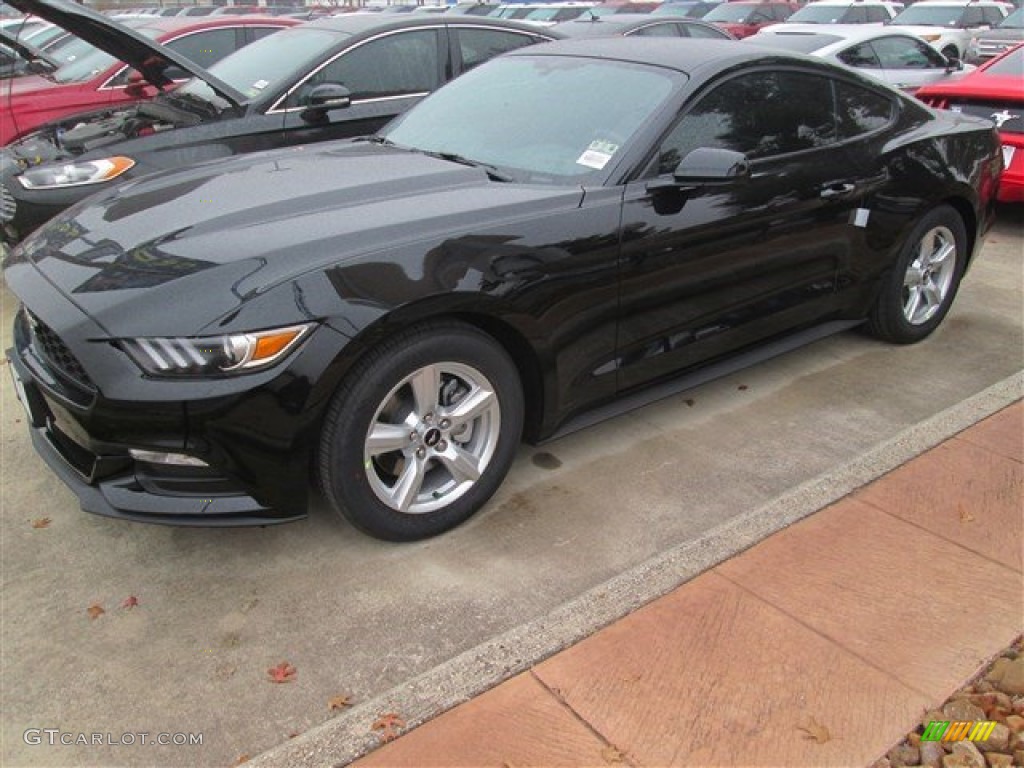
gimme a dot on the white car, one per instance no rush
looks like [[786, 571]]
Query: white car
[[949, 24], [845, 12], [887, 54]]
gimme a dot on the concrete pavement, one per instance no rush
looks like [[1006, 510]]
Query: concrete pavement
[[846, 626]]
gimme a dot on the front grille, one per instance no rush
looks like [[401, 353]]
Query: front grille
[[49, 346], [8, 205], [989, 48]]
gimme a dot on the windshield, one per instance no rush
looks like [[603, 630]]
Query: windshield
[[538, 118], [731, 12], [819, 14], [1011, 65], [91, 62], [1014, 21], [930, 15], [269, 63]]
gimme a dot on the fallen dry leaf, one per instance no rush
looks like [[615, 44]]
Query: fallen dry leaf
[[742, 387], [41, 522], [815, 730], [282, 673], [690, 402], [339, 702], [95, 611], [130, 602], [387, 725], [965, 516], [293, 734], [613, 755], [242, 758]]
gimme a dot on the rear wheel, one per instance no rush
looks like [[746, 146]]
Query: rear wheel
[[919, 291], [422, 432]]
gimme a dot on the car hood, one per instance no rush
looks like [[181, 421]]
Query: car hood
[[148, 57], [172, 252]]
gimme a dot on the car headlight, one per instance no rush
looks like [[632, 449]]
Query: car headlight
[[213, 355], [75, 174]]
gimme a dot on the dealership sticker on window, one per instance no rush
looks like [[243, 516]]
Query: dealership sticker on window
[[598, 154]]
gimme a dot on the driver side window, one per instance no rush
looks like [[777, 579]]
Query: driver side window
[[755, 114], [395, 65]]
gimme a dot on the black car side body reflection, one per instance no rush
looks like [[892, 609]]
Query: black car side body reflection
[[598, 290]]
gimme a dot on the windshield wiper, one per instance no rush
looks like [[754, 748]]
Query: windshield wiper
[[492, 171]]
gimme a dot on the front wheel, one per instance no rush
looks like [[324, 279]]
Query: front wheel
[[422, 432], [919, 291]]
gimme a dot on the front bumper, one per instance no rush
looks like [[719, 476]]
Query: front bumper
[[103, 475]]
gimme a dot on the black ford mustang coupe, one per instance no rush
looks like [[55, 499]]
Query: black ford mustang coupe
[[567, 229]]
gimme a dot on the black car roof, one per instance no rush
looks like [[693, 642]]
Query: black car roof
[[363, 23], [671, 53]]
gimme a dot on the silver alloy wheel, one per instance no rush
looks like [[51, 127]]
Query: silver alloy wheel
[[432, 437], [929, 275]]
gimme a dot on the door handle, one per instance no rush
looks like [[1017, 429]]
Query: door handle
[[835, 191]]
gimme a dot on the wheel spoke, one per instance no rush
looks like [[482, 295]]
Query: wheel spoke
[[471, 406], [940, 256], [932, 294], [386, 438], [425, 385], [405, 491], [460, 463], [912, 303]]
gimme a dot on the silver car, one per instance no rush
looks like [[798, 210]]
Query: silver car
[[897, 58]]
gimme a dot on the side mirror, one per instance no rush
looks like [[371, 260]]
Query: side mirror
[[323, 98], [703, 166], [708, 165], [953, 64]]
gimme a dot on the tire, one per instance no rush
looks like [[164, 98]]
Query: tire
[[421, 433], [918, 292]]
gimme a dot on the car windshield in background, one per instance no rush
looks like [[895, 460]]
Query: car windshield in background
[[92, 61], [265, 63], [1011, 65], [732, 12], [538, 118], [1014, 21], [818, 14], [930, 16], [795, 41]]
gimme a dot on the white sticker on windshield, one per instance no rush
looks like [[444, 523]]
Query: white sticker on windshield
[[259, 85], [597, 154]]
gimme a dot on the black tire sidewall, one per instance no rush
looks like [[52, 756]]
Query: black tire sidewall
[[342, 471]]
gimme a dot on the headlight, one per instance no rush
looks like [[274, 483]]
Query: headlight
[[75, 174], [213, 355]]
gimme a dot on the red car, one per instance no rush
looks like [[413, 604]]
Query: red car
[[995, 90], [97, 80], [744, 18]]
